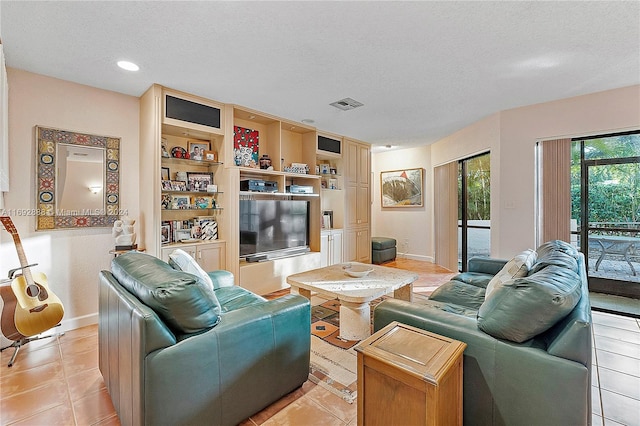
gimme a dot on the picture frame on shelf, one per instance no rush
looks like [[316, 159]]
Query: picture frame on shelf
[[166, 185], [207, 227], [209, 230], [182, 234], [178, 185], [166, 201], [164, 174], [180, 202], [199, 181], [210, 155], [197, 149], [246, 146], [165, 152], [402, 188], [201, 202], [165, 234]]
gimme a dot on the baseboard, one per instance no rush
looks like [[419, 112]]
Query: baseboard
[[78, 322], [416, 257]]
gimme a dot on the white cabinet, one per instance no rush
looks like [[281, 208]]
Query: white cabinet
[[357, 237], [357, 245], [331, 247], [210, 255]]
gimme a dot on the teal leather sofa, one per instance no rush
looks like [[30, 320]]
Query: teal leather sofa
[[174, 351], [529, 347]]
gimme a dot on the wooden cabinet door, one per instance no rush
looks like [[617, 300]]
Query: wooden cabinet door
[[336, 248], [357, 246], [363, 245], [363, 205], [211, 257], [364, 164], [351, 167], [325, 249]]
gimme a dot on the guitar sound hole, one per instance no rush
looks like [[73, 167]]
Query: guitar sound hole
[[33, 290]]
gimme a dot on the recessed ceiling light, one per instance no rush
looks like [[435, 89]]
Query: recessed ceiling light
[[307, 121], [129, 66]]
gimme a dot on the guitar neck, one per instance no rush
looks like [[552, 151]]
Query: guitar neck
[[8, 225]]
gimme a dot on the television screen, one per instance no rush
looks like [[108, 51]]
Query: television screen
[[271, 225]]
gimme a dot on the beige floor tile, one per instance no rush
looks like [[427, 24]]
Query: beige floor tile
[[93, 408], [305, 412], [32, 402], [620, 408], [85, 383], [27, 359], [334, 404], [24, 380], [61, 415], [79, 362]]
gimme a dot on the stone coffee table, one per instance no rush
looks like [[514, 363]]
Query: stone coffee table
[[354, 293]]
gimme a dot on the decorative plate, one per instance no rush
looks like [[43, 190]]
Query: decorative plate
[[178, 152]]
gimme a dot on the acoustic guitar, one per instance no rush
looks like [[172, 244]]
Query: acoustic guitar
[[30, 302]]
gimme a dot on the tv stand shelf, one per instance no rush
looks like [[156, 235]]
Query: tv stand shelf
[[275, 194]]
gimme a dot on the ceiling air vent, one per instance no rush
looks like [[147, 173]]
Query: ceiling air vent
[[346, 104]]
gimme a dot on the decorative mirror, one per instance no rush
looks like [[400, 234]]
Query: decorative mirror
[[78, 179]]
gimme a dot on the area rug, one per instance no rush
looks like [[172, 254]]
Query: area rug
[[333, 360], [334, 369], [325, 322]]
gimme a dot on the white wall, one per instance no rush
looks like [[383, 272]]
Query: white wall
[[410, 226], [510, 136], [71, 259]]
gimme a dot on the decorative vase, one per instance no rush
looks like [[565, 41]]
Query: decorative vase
[[265, 162]]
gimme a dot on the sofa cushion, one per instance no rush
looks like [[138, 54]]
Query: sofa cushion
[[515, 268], [557, 245], [182, 261], [235, 297], [181, 299], [459, 293], [522, 308], [478, 279], [557, 258]]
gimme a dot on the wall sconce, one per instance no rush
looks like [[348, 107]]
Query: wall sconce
[[95, 189]]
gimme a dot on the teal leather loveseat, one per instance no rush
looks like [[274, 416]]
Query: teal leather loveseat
[[528, 336], [175, 351]]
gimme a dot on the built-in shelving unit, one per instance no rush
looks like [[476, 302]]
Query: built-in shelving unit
[[298, 155], [175, 120]]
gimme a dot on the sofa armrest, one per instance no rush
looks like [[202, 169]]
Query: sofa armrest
[[266, 343], [485, 265], [221, 278]]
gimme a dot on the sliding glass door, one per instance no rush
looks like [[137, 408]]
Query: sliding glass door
[[606, 210], [474, 208]]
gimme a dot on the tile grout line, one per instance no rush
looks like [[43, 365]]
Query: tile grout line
[[595, 355]]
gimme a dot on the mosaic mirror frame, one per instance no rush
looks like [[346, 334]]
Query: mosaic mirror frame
[[47, 216]]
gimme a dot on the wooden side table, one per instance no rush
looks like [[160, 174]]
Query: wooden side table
[[408, 376]]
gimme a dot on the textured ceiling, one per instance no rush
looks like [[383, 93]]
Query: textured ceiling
[[422, 69]]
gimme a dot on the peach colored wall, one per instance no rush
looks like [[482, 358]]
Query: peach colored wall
[[410, 226], [598, 113], [511, 137], [71, 259]]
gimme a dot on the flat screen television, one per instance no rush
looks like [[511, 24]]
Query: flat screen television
[[268, 226]]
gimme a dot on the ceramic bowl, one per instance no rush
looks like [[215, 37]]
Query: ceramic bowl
[[358, 271]]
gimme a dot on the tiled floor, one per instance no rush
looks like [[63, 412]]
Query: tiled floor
[[57, 381]]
